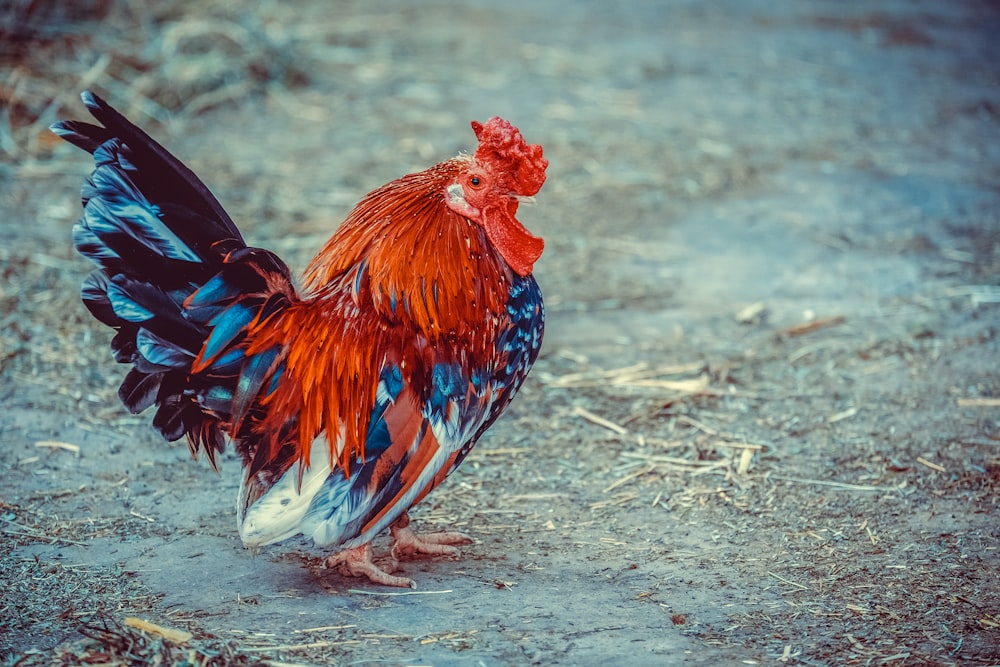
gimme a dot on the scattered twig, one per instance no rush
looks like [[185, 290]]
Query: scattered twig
[[672, 460], [640, 375], [739, 445], [600, 421], [978, 402], [170, 634], [788, 581], [930, 464], [840, 416], [451, 636], [51, 539], [144, 517], [27, 531], [698, 385], [299, 647], [630, 476], [55, 493], [978, 293], [55, 444], [502, 451], [396, 593], [531, 496], [803, 328], [835, 485], [746, 458], [690, 421]]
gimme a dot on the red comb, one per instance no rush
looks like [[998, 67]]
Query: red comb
[[519, 164]]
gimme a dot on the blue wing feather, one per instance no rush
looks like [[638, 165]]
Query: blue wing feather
[[456, 408]]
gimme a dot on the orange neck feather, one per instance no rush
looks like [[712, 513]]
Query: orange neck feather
[[404, 279], [421, 262]]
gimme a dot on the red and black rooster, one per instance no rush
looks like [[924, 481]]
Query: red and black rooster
[[349, 397]]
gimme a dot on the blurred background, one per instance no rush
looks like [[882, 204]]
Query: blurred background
[[764, 423]]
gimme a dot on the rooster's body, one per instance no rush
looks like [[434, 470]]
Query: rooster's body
[[350, 398]]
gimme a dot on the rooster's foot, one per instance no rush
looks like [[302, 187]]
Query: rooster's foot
[[406, 542], [357, 562]]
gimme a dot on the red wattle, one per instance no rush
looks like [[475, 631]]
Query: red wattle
[[519, 247]]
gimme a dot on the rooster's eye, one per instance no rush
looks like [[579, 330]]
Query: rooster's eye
[[474, 181]]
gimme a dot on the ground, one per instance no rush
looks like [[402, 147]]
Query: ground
[[765, 424]]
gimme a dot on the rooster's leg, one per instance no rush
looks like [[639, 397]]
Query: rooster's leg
[[406, 542], [357, 562]]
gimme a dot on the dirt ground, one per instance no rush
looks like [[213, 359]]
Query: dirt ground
[[765, 424]]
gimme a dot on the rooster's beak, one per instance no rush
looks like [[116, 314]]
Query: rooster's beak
[[455, 199]]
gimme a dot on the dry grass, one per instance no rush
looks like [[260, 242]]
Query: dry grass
[[133, 641], [158, 61]]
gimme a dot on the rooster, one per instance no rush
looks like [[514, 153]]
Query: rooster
[[351, 394]]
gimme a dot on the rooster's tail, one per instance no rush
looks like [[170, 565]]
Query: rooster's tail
[[175, 279]]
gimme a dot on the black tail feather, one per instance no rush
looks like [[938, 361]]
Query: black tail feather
[[139, 390], [94, 293], [159, 175], [159, 236], [82, 135]]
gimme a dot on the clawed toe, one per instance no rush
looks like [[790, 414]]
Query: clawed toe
[[409, 543], [357, 562], [406, 542]]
